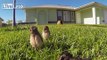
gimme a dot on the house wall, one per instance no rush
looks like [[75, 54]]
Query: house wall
[[78, 17], [52, 15], [100, 16], [41, 15], [31, 15], [84, 16], [45, 15]]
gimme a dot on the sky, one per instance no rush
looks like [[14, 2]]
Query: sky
[[6, 14]]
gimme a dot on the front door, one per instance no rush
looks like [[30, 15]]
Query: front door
[[42, 17]]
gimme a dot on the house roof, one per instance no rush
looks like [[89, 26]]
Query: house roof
[[1, 19], [67, 7], [91, 4]]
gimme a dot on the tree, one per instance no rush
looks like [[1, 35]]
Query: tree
[[19, 21], [9, 22]]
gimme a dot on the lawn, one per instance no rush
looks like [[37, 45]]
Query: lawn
[[86, 41]]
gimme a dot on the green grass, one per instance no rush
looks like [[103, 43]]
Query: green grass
[[89, 40]]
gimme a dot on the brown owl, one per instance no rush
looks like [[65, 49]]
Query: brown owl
[[59, 22], [66, 56], [35, 37], [46, 33]]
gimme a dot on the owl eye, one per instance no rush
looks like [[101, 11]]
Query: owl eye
[[30, 29]]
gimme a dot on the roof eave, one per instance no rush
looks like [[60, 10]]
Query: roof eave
[[48, 8]]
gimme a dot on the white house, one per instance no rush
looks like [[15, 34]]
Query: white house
[[91, 13]]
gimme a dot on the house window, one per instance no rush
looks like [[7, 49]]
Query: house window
[[66, 16]]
